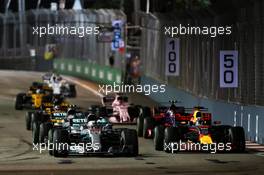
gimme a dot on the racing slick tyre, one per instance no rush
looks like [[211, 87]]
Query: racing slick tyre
[[148, 126], [129, 142], [171, 139], [159, 137], [34, 118], [35, 132], [103, 111], [72, 91], [50, 140], [237, 139], [134, 112], [43, 132], [146, 112], [60, 142], [28, 121], [19, 101], [140, 123]]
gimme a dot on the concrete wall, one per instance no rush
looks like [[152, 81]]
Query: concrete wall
[[28, 63]]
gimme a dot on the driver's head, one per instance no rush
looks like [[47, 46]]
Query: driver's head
[[57, 107], [198, 116], [71, 111], [38, 91], [91, 117], [173, 107], [59, 78], [57, 99]]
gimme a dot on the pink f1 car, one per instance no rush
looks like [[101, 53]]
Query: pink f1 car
[[118, 110]]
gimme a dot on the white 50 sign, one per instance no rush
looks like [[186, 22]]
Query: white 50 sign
[[172, 56], [229, 69]]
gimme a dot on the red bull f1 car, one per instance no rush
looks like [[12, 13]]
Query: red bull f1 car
[[171, 126]]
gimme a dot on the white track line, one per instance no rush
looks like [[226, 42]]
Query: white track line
[[84, 86]]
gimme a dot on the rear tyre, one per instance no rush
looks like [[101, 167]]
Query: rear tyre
[[60, 142], [43, 132], [72, 90], [19, 101], [148, 126], [237, 139], [35, 132], [103, 111], [129, 142], [28, 120], [50, 141], [146, 112], [34, 118], [159, 138], [171, 139]]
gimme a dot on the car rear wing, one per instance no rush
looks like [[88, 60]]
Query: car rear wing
[[108, 100], [200, 108], [187, 117]]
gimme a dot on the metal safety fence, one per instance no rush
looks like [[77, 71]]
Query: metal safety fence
[[199, 54], [17, 36]]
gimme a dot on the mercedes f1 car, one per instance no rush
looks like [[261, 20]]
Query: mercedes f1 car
[[41, 121], [90, 134]]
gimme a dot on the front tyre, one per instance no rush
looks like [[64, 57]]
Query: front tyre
[[19, 101], [159, 137], [60, 143], [171, 140], [129, 142], [237, 139]]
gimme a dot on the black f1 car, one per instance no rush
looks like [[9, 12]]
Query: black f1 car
[[92, 135]]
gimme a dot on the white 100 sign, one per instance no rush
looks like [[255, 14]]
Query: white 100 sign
[[172, 57]]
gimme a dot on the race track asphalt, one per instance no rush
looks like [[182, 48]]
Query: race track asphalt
[[18, 157]]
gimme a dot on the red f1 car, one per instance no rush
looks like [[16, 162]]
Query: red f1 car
[[167, 125]]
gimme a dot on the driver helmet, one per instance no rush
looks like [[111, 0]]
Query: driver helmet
[[58, 78], [57, 107], [198, 118], [38, 91], [71, 111], [102, 121], [90, 123]]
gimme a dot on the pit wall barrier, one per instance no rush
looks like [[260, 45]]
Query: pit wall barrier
[[251, 118], [86, 70]]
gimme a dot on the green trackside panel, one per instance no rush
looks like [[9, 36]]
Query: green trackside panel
[[89, 71]]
